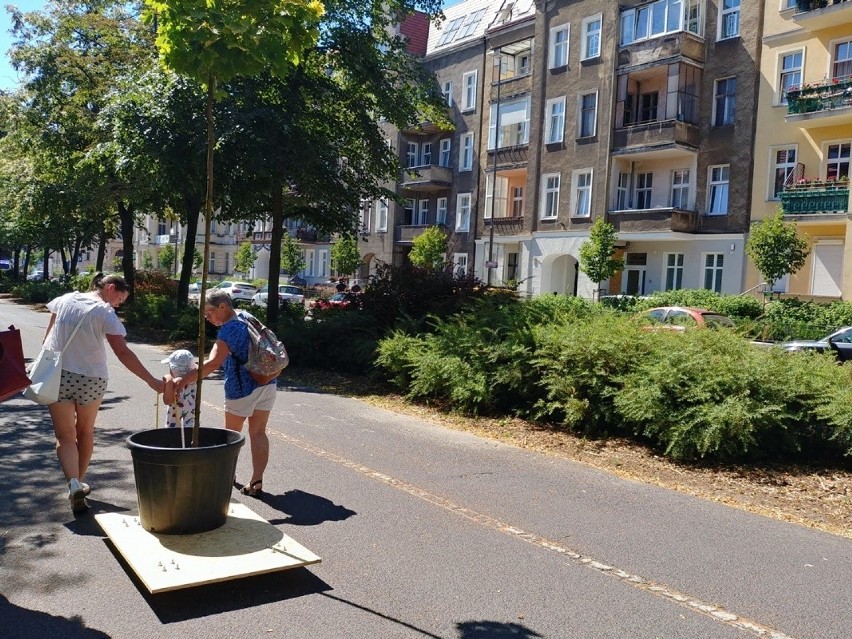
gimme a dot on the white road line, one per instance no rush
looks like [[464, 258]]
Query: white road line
[[717, 613]]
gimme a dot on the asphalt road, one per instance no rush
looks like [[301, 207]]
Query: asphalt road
[[423, 532]]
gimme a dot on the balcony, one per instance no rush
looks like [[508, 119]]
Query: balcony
[[659, 138], [824, 104], [407, 233], [505, 225], [427, 178], [815, 198], [815, 15], [661, 50], [654, 220]]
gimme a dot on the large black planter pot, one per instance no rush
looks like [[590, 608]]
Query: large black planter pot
[[184, 490]]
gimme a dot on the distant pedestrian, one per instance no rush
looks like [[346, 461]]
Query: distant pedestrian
[[181, 403], [85, 372], [341, 286]]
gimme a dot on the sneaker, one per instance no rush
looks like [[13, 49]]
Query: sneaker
[[77, 496], [86, 488]]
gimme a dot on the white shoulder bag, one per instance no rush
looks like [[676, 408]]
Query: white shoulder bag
[[46, 372]]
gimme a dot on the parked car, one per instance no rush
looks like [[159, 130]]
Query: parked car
[[339, 300], [239, 291], [679, 318], [839, 342], [286, 294], [194, 292], [297, 280], [5, 265]]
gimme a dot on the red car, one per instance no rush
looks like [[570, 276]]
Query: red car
[[679, 318], [338, 300]]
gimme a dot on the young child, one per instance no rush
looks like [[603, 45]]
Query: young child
[[181, 411]]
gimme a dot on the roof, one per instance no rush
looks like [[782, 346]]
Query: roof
[[468, 21]]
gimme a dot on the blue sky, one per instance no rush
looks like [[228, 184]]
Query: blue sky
[[8, 77]]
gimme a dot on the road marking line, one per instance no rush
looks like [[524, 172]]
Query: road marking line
[[717, 613]]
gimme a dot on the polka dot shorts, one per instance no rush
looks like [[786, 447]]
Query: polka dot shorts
[[83, 390]]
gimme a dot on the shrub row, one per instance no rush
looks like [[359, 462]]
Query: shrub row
[[701, 394]]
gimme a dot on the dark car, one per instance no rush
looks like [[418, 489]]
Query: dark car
[[839, 342]]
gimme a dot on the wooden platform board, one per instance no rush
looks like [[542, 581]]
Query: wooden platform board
[[245, 545]]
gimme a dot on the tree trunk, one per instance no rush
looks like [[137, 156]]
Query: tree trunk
[[102, 243], [208, 214], [192, 208], [127, 215], [275, 256]]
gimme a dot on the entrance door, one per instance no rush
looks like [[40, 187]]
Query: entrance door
[[633, 281]]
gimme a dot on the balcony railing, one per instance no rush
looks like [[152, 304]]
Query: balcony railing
[[427, 178], [816, 197], [657, 133], [815, 15], [407, 233], [825, 96]]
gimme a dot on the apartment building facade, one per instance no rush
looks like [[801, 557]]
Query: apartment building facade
[[804, 136], [638, 112]]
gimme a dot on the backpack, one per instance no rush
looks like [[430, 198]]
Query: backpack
[[267, 357]]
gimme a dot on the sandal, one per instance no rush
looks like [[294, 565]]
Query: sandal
[[253, 489]]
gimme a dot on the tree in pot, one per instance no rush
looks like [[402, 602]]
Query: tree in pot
[[211, 44]]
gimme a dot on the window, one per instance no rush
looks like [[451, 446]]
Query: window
[[309, 262], [447, 92], [412, 151], [791, 74], [322, 263], [729, 19], [718, 190], [559, 46], [408, 211], [644, 186], [549, 196], [511, 267], [622, 191], [426, 154], [470, 23], [444, 154], [723, 105], [382, 215], [837, 161], [213, 226], [497, 207], [661, 17], [648, 105], [591, 44], [582, 206], [441, 212], [633, 278], [674, 271], [364, 217], [680, 189], [450, 31], [517, 201], [555, 120], [212, 266], [784, 169], [227, 262], [713, 266], [469, 96], [512, 121], [460, 262], [422, 213], [789, 4], [161, 227], [463, 212], [466, 152], [588, 114], [841, 66]]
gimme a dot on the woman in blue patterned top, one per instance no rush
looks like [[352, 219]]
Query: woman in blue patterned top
[[244, 397]]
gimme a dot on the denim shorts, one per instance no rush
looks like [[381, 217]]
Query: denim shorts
[[83, 390]]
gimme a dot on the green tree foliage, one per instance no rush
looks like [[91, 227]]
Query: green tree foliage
[[166, 257], [775, 247], [597, 253], [429, 249], [244, 258], [292, 261], [345, 256]]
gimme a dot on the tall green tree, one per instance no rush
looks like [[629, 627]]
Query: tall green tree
[[597, 254], [776, 248], [429, 249], [213, 43], [292, 261], [345, 256], [244, 258]]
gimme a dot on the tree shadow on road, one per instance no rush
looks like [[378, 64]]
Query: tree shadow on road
[[23, 623], [305, 509]]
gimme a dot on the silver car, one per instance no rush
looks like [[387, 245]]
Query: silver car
[[287, 294]]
